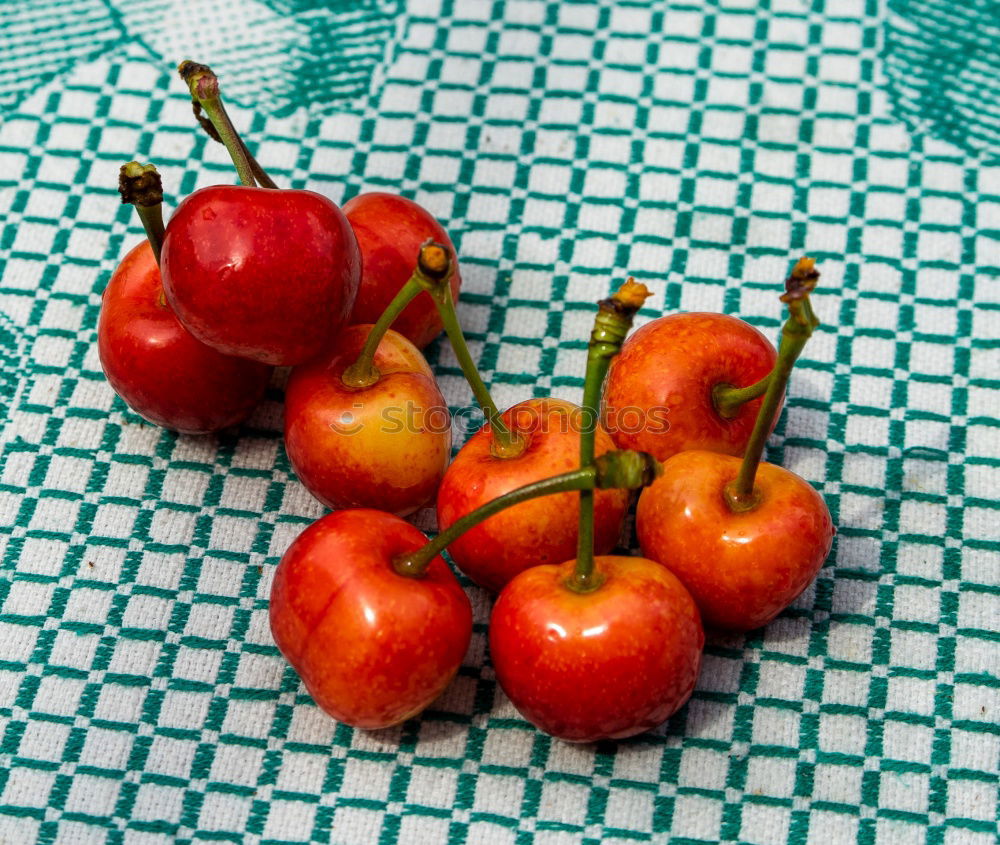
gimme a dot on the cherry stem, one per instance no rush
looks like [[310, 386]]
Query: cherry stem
[[259, 174], [798, 328], [728, 399], [626, 469], [140, 186], [611, 325], [204, 87], [433, 268], [506, 443]]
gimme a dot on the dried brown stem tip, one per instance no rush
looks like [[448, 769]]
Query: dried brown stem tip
[[139, 184], [802, 280], [624, 302], [434, 261], [201, 81], [632, 294]]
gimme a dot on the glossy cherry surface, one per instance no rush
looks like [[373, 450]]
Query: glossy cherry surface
[[158, 368], [390, 230], [606, 664], [373, 647], [385, 446], [539, 531], [262, 274], [658, 395], [743, 568]]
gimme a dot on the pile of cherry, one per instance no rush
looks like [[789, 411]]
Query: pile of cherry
[[586, 644]]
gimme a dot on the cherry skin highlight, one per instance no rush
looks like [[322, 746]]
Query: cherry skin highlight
[[539, 531], [385, 446], [157, 366], [743, 568], [262, 274], [658, 394], [390, 230], [372, 647], [606, 664]]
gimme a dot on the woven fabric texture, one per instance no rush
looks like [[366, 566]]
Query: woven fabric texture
[[698, 145]]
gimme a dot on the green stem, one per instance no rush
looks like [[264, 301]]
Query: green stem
[[433, 270], [259, 174], [507, 443], [151, 217], [363, 372], [415, 563], [140, 186], [798, 328], [204, 87], [611, 325], [626, 469], [728, 399]]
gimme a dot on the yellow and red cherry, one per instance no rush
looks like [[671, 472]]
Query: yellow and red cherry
[[743, 567], [385, 445]]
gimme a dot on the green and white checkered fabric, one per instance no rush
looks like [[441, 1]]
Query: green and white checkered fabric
[[698, 145]]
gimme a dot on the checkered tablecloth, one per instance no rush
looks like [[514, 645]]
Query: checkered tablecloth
[[698, 145]]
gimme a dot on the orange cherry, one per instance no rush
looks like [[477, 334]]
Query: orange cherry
[[604, 664], [743, 567], [372, 646], [665, 391], [540, 531]]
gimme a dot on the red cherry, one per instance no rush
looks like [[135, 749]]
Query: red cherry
[[658, 395], [743, 568], [263, 274], [390, 230], [539, 531], [604, 664], [385, 446], [373, 647], [158, 368]]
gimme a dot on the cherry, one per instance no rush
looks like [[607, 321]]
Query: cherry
[[675, 385], [262, 274], [605, 664], [365, 424], [373, 647], [386, 445], [266, 275], [745, 537], [151, 361], [533, 533], [605, 647], [742, 567], [621, 470], [390, 229]]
